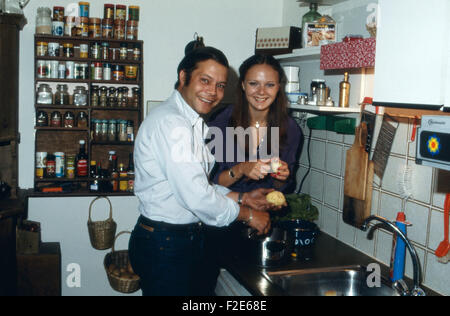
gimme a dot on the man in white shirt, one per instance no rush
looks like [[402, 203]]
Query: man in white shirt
[[172, 166]]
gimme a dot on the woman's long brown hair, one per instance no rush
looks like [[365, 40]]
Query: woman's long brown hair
[[278, 113]]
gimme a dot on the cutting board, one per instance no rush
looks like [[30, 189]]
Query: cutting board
[[356, 166], [355, 211]]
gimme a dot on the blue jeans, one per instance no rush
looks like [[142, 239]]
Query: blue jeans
[[168, 262]]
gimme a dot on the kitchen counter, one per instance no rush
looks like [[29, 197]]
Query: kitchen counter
[[327, 252]]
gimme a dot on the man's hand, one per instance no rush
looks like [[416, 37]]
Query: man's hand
[[256, 199], [260, 222]]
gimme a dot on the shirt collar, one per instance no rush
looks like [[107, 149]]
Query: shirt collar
[[186, 110]]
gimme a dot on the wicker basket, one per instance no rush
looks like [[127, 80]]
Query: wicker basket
[[102, 233], [120, 275]]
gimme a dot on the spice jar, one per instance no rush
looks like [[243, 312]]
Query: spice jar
[[124, 97], [123, 51], [84, 9], [108, 11], [53, 49], [107, 28], [41, 118], [41, 48], [121, 12], [68, 50], [95, 95], [122, 131], [70, 26], [104, 130], [82, 26], [69, 120], [135, 97], [62, 95], [112, 97], [104, 53], [55, 119], [132, 30], [50, 166], [82, 119], [84, 51], [44, 21], [97, 73], [44, 94], [119, 29], [41, 164], [112, 130], [136, 52], [96, 129], [58, 14], [42, 71], [133, 13], [80, 96], [118, 74], [95, 50], [131, 72], [95, 27], [103, 99], [130, 131], [70, 166], [107, 71], [81, 71]]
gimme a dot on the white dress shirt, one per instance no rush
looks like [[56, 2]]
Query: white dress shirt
[[172, 166]]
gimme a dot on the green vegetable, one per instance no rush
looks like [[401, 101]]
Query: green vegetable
[[300, 207]]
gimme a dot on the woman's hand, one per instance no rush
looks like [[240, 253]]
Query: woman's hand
[[255, 170], [282, 173]]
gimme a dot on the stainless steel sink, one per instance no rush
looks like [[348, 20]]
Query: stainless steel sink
[[336, 281]]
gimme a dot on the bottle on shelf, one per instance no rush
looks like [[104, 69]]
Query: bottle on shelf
[[113, 172], [93, 174], [123, 184], [344, 92], [130, 173], [82, 161], [311, 16]]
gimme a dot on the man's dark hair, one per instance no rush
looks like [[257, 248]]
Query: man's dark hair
[[190, 61]]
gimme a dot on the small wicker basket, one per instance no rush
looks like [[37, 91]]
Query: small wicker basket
[[118, 269], [101, 233]]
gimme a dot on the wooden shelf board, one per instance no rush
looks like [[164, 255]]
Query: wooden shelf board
[[323, 109]]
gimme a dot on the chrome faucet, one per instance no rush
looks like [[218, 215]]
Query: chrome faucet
[[400, 285]]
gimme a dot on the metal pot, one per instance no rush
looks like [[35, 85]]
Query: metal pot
[[268, 250]]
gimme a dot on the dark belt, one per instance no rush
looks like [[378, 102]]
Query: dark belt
[[152, 225]]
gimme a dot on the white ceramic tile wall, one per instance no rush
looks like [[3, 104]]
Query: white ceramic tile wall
[[424, 210]]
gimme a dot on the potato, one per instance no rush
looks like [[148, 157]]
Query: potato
[[130, 269], [111, 267], [116, 272], [276, 198]]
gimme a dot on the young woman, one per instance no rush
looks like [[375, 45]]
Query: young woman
[[250, 130], [270, 134]]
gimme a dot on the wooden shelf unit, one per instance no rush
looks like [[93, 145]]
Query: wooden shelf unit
[[59, 139]]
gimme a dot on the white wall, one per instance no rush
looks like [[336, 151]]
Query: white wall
[[166, 27]]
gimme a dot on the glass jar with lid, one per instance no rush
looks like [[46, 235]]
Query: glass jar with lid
[[62, 95], [123, 102], [69, 120], [112, 97], [135, 97], [103, 99], [41, 118], [112, 130], [44, 21], [96, 129], [80, 96], [82, 119], [122, 130], [104, 130], [95, 95], [44, 94], [56, 119]]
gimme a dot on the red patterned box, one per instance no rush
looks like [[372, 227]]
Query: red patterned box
[[353, 54]]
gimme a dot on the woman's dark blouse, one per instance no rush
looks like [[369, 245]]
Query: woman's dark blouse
[[289, 153]]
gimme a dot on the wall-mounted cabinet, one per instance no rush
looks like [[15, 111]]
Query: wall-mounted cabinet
[[86, 89], [412, 54]]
